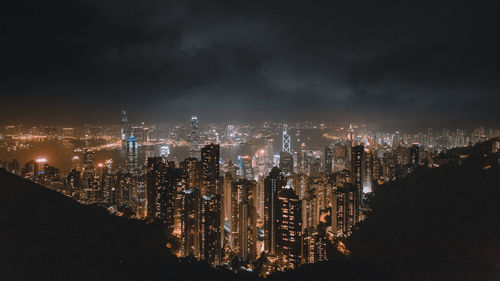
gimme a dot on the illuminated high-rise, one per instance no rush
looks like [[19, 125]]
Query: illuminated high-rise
[[289, 228], [175, 181], [314, 246], [345, 204], [194, 137], [272, 185], [194, 171], [243, 220], [210, 229], [286, 144], [76, 163], [124, 128], [358, 170], [210, 165], [88, 164], [190, 210], [132, 155], [245, 170], [310, 209], [155, 179], [286, 163], [328, 160]]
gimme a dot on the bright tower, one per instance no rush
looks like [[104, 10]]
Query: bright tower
[[193, 136], [124, 130], [286, 140]]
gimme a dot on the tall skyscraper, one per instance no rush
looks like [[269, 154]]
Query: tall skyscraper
[[310, 209], [350, 133], [272, 185], [358, 170], [124, 128], [328, 161], [289, 228], [132, 155], [286, 144], [88, 163], [76, 163], [194, 137], [286, 163], [245, 170], [210, 229], [155, 179], [314, 246], [210, 164], [368, 174], [345, 204], [194, 171], [190, 210], [243, 220], [175, 180]]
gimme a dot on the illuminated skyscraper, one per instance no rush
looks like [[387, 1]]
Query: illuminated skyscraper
[[345, 204], [368, 175], [247, 230], [350, 133], [88, 171], [358, 170], [194, 170], [310, 210], [272, 185], [245, 170], [139, 198], [210, 164], [132, 155], [190, 210], [289, 228], [154, 181], [210, 229], [73, 183], [125, 128], [194, 137], [164, 151], [76, 163], [175, 181], [314, 246], [286, 147], [328, 161], [243, 220], [90, 184], [286, 163]]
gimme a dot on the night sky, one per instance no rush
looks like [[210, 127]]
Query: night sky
[[395, 62]]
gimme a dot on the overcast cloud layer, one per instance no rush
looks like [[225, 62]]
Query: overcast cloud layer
[[410, 61]]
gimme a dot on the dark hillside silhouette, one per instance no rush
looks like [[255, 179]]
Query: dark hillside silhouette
[[436, 224], [46, 236]]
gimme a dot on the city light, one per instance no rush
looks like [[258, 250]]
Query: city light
[[287, 202], [41, 160]]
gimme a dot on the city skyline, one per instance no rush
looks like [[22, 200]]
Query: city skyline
[[250, 140], [245, 198]]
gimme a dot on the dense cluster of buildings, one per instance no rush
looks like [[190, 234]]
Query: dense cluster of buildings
[[274, 210]]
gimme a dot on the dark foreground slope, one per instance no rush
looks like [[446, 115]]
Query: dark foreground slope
[[439, 224], [46, 236], [436, 224]]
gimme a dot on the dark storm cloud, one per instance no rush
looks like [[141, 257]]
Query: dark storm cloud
[[375, 60]]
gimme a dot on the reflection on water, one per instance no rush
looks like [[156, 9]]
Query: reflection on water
[[59, 154]]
